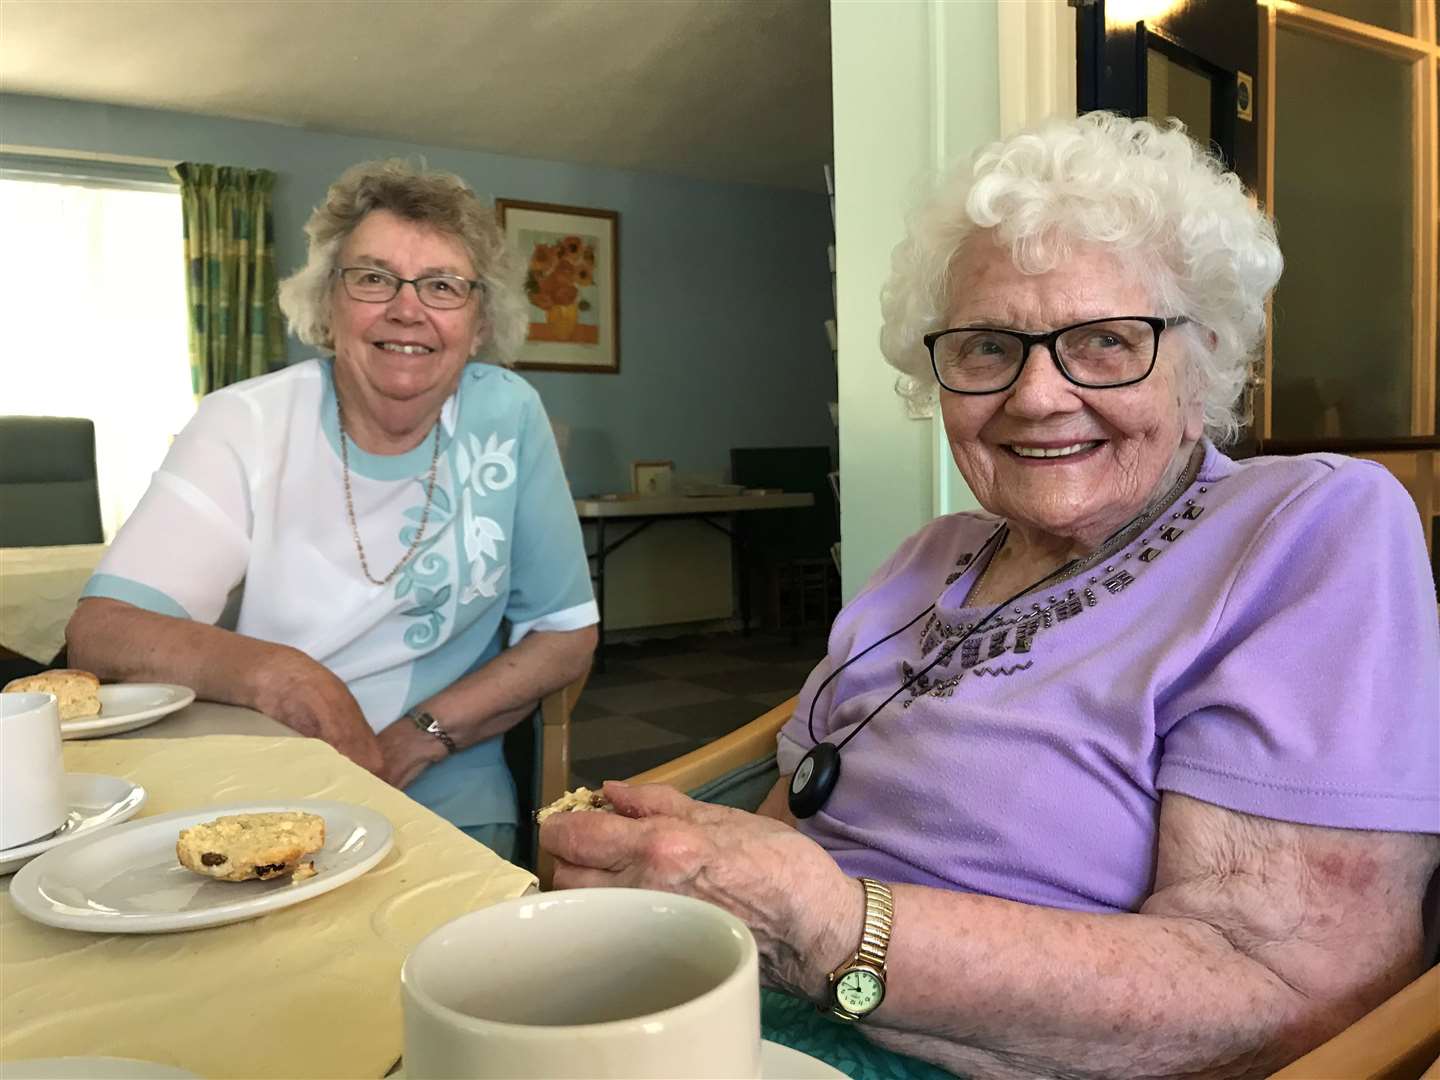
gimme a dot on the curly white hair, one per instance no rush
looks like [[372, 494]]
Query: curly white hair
[[1144, 191], [440, 200]]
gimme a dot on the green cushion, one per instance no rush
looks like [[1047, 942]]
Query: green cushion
[[799, 1025], [744, 788]]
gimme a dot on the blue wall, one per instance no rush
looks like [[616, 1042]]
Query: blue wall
[[723, 287]]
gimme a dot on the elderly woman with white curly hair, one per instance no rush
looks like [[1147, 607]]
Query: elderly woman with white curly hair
[[1137, 771], [396, 512]]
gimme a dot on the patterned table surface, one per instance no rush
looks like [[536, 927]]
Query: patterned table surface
[[39, 587], [309, 991]]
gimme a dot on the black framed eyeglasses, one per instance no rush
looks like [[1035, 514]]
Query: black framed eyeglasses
[[1097, 354], [371, 285]]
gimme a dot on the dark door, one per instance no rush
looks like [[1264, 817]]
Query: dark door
[[1198, 61]]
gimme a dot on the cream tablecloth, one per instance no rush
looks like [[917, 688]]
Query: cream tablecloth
[[310, 991], [39, 587]]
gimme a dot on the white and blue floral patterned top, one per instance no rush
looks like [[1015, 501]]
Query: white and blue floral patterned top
[[252, 493]]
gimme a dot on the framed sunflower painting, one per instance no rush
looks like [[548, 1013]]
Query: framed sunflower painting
[[571, 259]]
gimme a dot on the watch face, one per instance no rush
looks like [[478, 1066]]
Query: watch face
[[859, 991]]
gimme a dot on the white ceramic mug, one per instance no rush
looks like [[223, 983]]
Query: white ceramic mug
[[585, 983], [32, 772]]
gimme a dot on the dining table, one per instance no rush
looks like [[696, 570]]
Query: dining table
[[309, 990], [39, 588], [633, 514]]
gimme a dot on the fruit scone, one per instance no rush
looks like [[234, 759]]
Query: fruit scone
[[580, 799], [244, 847]]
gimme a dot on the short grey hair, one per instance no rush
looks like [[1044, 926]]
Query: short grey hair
[[1144, 191], [439, 200]]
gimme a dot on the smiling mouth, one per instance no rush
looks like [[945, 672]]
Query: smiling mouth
[[404, 350], [1020, 450]]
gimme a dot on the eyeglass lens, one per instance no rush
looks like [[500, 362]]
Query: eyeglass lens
[[378, 286], [1098, 354]]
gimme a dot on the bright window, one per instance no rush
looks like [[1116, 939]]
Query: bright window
[[93, 285]]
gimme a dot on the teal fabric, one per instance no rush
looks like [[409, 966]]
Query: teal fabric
[[114, 587], [798, 1024], [498, 838], [470, 788], [744, 788], [473, 786]]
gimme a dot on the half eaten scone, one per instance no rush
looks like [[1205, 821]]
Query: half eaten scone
[[77, 693], [579, 799], [244, 847]]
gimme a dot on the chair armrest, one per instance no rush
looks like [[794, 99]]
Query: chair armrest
[[1395, 1041], [556, 706], [745, 744], [554, 778]]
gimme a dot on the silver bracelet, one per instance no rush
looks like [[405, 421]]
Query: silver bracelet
[[428, 724]]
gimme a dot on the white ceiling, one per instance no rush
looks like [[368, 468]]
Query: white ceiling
[[727, 90]]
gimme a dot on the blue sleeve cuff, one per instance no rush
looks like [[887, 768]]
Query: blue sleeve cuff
[[113, 587]]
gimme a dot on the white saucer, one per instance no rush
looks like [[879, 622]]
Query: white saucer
[[776, 1063], [127, 706], [92, 1068], [126, 880], [94, 801], [786, 1063]]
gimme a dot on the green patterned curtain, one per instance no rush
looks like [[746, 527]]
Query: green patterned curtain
[[235, 326]]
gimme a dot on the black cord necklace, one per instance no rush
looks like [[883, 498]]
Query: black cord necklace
[[819, 770], [817, 774]]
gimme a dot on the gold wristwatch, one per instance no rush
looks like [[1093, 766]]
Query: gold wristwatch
[[857, 987]]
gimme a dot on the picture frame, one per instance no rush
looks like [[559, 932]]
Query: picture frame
[[652, 477], [571, 256]]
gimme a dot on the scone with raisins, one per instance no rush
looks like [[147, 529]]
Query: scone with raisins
[[244, 847], [580, 799]]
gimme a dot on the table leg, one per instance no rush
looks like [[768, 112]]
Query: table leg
[[737, 553], [600, 593]]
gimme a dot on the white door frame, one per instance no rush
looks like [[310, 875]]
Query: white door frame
[[1036, 49]]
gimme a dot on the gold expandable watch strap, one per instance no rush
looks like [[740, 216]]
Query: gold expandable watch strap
[[879, 917]]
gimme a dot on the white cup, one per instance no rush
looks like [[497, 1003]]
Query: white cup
[[585, 983], [32, 772]]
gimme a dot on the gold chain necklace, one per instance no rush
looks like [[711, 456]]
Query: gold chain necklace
[[350, 501]]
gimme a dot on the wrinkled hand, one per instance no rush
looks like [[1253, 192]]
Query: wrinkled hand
[[804, 911], [309, 698], [408, 752]]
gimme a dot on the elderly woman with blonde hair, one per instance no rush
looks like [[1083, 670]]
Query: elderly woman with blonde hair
[[396, 512], [1136, 771]]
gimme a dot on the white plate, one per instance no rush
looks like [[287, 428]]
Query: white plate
[[127, 706], [126, 880], [91, 1068], [786, 1063], [94, 801]]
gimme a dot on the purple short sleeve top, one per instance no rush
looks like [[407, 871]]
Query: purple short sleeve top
[[1269, 645]]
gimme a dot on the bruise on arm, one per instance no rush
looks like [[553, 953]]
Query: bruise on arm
[[1332, 915]]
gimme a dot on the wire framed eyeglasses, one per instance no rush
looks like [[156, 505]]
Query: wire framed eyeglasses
[[371, 285]]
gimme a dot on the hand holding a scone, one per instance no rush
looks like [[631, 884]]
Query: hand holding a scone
[[309, 698], [798, 903]]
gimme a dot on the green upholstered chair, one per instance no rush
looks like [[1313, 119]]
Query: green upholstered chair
[[736, 770], [48, 491]]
